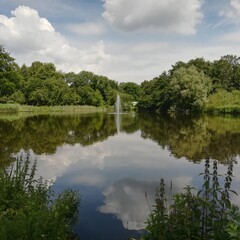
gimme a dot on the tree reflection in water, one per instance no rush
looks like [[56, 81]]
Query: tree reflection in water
[[192, 137]]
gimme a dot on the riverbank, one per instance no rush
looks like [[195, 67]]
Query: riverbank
[[17, 108]]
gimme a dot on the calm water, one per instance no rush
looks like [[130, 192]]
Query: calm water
[[114, 162]]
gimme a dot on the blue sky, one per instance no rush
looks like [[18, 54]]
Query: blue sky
[[125, 40]]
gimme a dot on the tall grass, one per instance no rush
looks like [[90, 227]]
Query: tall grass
[[206, 215], [4, 108], [224, 102], [27, 208]]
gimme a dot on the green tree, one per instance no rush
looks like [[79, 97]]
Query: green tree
[[89, 96], [10, 78], [189, 89], [202, 65], [46, 86], [226, 73], [18, 97], [130, 88], [146, 99], [154, 94], [95, 85]]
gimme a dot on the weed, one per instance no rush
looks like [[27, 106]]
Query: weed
[[27, 208], [201, 216]]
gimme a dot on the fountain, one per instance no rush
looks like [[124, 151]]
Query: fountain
[[118, 112], [118, 105]]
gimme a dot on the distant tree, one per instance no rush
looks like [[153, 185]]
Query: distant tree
[[42, 71], [176, 66], [95, 84], [146, 101], [18, 97], [226, 73], [89, 97], [44, 85], [201, 65], [154, 94], [130, 88], [189, 89], [10, 78]]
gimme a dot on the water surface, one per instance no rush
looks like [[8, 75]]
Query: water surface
[[116, 162]]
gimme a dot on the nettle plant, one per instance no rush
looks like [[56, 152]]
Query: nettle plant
[[209, 214], [29, 209]]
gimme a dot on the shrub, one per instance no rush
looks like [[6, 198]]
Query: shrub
[[224, 102]]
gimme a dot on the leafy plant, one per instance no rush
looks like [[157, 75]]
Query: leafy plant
[[233, 230], [204, 215], [27, 208]]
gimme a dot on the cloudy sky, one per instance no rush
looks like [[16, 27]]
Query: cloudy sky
[[125, 40]]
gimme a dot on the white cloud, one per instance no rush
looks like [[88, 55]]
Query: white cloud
[[180, 16], [138, 61], [87, 28], [32, 38], [233, 11], [233, 37], [87, 179]]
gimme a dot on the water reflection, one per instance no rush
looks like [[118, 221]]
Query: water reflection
[[114, 166], [131, 200], [193, 138]]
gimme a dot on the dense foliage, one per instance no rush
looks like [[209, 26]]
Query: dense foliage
[[191, 137], [195, 86], [41, 84], [27, 208], [209, 214]]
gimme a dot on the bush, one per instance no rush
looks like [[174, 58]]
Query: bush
[[224, 101], [27, 208]]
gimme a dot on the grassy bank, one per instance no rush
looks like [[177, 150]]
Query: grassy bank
[[17, 108], [224, 102]]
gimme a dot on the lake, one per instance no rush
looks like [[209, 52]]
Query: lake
[[116, 161]]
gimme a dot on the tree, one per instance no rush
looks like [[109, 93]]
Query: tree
[[95, 84], [226, 73], [189, 89], [201, 64], [146, 99], [10, 78], [89, 96], [155, 94], [131, 88]]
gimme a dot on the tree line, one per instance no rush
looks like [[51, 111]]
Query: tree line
[[196, 85], [41, 84]]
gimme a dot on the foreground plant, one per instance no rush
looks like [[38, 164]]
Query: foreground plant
[[206, 215], [27, 208]]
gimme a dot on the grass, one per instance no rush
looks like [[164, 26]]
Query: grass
[[16, 108], [224, 102]]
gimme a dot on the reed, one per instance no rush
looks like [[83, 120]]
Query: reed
[[15, 108]]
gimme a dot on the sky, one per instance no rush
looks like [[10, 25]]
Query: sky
[[125, 40]]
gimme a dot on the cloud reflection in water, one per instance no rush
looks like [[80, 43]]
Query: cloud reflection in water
[[127, 201]]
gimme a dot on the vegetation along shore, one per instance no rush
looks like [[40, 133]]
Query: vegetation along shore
[[196, 86]]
